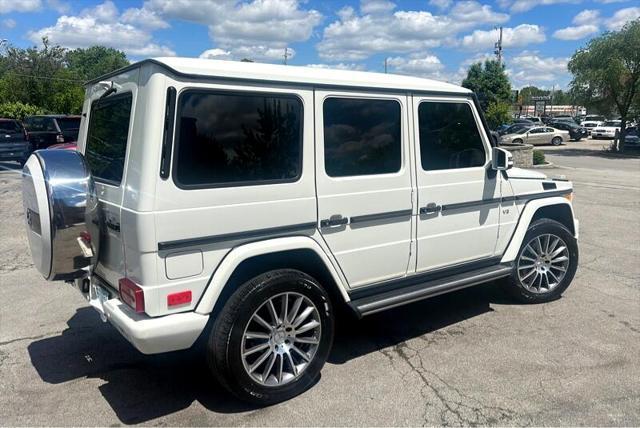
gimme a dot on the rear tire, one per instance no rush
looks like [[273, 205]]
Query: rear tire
[[540, 272], [276, 371], [556, 141]]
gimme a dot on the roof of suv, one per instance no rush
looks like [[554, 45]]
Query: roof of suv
[[207, 68], [57, 116]]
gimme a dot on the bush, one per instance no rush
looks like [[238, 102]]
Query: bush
[[18, 110], [538, 157]]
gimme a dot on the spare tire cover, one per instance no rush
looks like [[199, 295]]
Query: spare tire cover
[[62, 213]]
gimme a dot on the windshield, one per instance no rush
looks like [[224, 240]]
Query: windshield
[[69, 123], [594, 117], [612, 123], [520, 130], [10, 127]]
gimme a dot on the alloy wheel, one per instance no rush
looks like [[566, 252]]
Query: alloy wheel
[[281, 339], [543, 263]]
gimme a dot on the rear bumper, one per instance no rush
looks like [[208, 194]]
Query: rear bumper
[[152, 335]]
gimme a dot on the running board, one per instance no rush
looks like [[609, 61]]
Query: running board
[[401, 296]]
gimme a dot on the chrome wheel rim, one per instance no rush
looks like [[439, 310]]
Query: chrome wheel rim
[[281, 339], [543, 263]]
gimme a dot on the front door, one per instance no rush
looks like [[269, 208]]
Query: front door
[[364, 183], [458, 193]]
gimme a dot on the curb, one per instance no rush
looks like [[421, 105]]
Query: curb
[[548, 165]]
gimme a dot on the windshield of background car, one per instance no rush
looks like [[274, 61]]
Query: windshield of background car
[[40, 124], [69, 124], [612, 123], [107, 137], [10, 127]]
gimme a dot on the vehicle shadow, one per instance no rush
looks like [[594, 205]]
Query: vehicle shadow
[[140, 388], [10, 166]]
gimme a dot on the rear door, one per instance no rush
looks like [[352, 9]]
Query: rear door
[[364, 181], [12, 140], [105, 149], [458, 193]]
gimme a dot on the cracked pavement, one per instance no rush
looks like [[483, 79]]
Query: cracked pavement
[[467, 358]]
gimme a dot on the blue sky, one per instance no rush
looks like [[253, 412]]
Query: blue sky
[[428, 38]]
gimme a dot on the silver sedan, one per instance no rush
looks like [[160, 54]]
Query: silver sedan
[[537, 135]]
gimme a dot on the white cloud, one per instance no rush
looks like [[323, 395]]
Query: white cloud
[[143, 17], [522, 35], [621, 17], [517, 6], [258, 29], [586, 17], [576, 33], [7, 6], [8, 23], [356, 36], [59, 6], [339, 66], [441, 4], [376, 6], [101, 25], [215, 54], [530, 68], [421, 65]]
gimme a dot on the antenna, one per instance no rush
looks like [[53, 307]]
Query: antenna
[[385, 66], [498, 47], [286, 55]]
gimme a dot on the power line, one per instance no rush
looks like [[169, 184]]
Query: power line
[[46, 78]]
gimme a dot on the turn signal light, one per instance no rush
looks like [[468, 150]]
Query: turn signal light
[[181, 298], [131, 294]]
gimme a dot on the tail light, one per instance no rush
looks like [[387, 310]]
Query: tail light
[[131, 294], [59, 138]]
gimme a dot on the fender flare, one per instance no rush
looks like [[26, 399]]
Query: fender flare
[[528, 211], [237, 255]]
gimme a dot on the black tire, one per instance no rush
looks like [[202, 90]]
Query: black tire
[[514, 285], [556, 141], [517, 141], [224, 347]]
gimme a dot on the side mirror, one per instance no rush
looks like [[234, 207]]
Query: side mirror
[[501, 159]]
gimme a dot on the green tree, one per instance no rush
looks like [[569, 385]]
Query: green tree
[[94, 61], [498, 113], [607, 71], [51, 78], [18, 110], [490, 83]]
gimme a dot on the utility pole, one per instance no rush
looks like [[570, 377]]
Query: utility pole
[[498, 48], [385, 66], [286, 55]]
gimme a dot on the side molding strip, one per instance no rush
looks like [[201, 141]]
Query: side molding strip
[[281, 230], [380, 216]]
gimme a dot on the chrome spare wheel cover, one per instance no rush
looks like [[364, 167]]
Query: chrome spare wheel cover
[[61, 212], [281, 339], [543, 263]]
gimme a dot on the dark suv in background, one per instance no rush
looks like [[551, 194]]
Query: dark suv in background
[[14, 145], [45, 131], [576, 132]]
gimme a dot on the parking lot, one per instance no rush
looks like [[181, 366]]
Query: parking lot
[[468, 358]]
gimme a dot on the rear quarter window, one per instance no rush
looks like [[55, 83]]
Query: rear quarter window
[[107, 136]]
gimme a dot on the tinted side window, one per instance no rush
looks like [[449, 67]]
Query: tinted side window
[[449, 136], [361, 137], [234, 138], [41, 124], [107, 137]]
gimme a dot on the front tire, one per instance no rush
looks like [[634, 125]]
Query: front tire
[[517, 141], [546, 263], [271, 339], [556, 141]]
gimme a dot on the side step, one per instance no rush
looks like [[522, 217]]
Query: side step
[[401, 296]]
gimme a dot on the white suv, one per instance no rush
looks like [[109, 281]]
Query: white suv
[[242, 203]]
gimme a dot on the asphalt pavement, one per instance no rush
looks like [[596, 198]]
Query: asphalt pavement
[[468, 358]]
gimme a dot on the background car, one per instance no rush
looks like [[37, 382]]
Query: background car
[[607, 129], [14, 145], [64, 146], [631, 137], [576, 132], [511, 129], [537, 135], [47, 130]]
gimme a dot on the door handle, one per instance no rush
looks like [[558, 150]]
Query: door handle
[[334, 220], [431, 208]]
